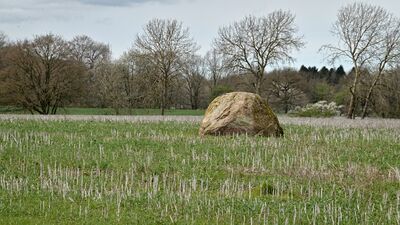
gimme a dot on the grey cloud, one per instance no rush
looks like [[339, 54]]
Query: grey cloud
[[16, 19], [121, 2], [28, 11], [16, 15], [35, 4]]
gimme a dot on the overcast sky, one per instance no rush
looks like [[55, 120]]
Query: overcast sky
[[117, 22]]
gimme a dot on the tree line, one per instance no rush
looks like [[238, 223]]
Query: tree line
[[163, 68]]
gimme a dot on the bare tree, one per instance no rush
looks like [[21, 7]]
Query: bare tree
[[386, 54], [358, 28], [91, 53], [165, 43], [285, 89], [215, 65], [139, 81], [40, 74], [111, 85], [127, 67], [194, 75], [3, 40], [253, 43], [388, 102], [3, 43]]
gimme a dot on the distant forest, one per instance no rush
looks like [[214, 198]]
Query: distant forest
[[163, 69]]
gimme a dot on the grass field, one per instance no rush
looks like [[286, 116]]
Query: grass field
[[107, 111], [87, 172]]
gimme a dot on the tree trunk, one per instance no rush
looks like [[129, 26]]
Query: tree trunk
[[368, 97], [192, 101], [259, 77], [195, 104], [196, 100], [164, 96], [258, 85], [55, 107], [162, 105], [215, 81], [365, 108], [350, 113], [353, 99]]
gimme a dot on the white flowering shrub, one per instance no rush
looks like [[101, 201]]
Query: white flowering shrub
[[319, 109]]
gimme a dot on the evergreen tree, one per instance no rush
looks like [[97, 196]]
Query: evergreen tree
[[337, 75], [323, 73], [313, 69], [303, 69], [340, 71]]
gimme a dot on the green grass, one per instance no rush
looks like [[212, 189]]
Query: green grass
[[163, 173], [12, 110], [108, 111]]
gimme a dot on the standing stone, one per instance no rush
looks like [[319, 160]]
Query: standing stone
[[240, 113]]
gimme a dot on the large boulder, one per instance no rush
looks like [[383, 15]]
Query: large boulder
[[240, 113]]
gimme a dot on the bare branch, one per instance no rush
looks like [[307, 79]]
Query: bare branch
[[165, 44], [253, 43]]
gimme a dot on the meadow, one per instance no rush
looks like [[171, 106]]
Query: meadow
[[132, 172]]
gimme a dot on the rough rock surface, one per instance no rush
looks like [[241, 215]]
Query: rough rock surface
[[240, 113]]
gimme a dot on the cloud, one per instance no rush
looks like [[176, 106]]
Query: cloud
[[40, 4], [16, 19], [121, 2], [16, 15], [30, 11]]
